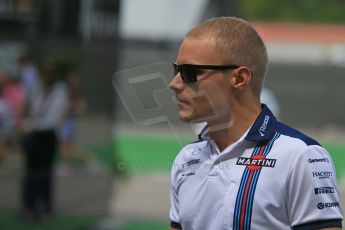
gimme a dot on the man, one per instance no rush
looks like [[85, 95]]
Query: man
[[247, 171]]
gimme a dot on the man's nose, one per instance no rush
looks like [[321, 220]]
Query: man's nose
[[176, 83]]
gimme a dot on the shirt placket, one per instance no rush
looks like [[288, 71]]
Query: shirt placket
[[232, 183]]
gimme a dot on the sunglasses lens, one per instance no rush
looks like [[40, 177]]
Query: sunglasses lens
[[175, 66], [188, 74]]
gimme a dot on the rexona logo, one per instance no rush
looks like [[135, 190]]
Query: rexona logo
[[327, 205], [318, 160], [322, 174], [256, 162], [263, 127], [323, 190]]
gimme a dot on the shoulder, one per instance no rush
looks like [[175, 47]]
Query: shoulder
[[188, 156], [295, 135], [189, 152], [298, 148], [304, 153]]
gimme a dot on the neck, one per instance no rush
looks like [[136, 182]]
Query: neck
[[231, 130]]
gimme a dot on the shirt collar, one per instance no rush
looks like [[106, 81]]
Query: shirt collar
[[262, 128], [203, 133]]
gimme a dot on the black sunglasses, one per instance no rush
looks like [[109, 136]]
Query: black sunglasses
[[189, 72]]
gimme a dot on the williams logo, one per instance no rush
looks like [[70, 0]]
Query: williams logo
[[191, 162], [323, 190], [322, 174], [256, 162], [327, 205]]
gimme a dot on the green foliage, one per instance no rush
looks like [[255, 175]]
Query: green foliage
[[145, 153], [321, 11], [337, 152], [146, 225], [9, 220]]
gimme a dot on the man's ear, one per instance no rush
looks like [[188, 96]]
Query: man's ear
[[242, 78]]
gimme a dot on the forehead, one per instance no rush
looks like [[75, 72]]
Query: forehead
[[199, 50]]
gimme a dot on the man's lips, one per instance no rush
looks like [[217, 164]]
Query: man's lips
[[182, 101]]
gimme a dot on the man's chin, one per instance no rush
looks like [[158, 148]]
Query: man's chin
[[190, 118], [185, 117]]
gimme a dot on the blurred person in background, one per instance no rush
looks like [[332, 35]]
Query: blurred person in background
[[40, 142], [247, 170], [28, 75], [67, 130], [7, 119], [15, 95]]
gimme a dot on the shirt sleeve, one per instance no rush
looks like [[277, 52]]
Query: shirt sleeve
[[174, 207], [313, 196]]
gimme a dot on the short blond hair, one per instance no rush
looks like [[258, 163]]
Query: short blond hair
[[240, 43]]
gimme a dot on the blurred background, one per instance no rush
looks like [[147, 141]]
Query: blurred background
[[113, 58]]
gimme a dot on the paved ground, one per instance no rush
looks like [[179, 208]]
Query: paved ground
[[142, 196], [82, 191]]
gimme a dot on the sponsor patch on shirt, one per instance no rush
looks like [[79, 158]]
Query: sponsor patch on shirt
[[263, 127], [189, 174], [317, 160], [191, 162], [328, 205], [323, 174], [323, 190], [256, 162]]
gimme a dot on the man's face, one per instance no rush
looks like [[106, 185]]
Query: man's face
[[208, 98]]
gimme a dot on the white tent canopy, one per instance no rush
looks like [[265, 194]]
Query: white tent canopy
[[162, 20]]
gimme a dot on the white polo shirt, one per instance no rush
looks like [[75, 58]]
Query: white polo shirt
[[273, 177]]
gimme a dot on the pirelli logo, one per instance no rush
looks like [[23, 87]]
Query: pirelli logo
[[323, 190], [256, 162]]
